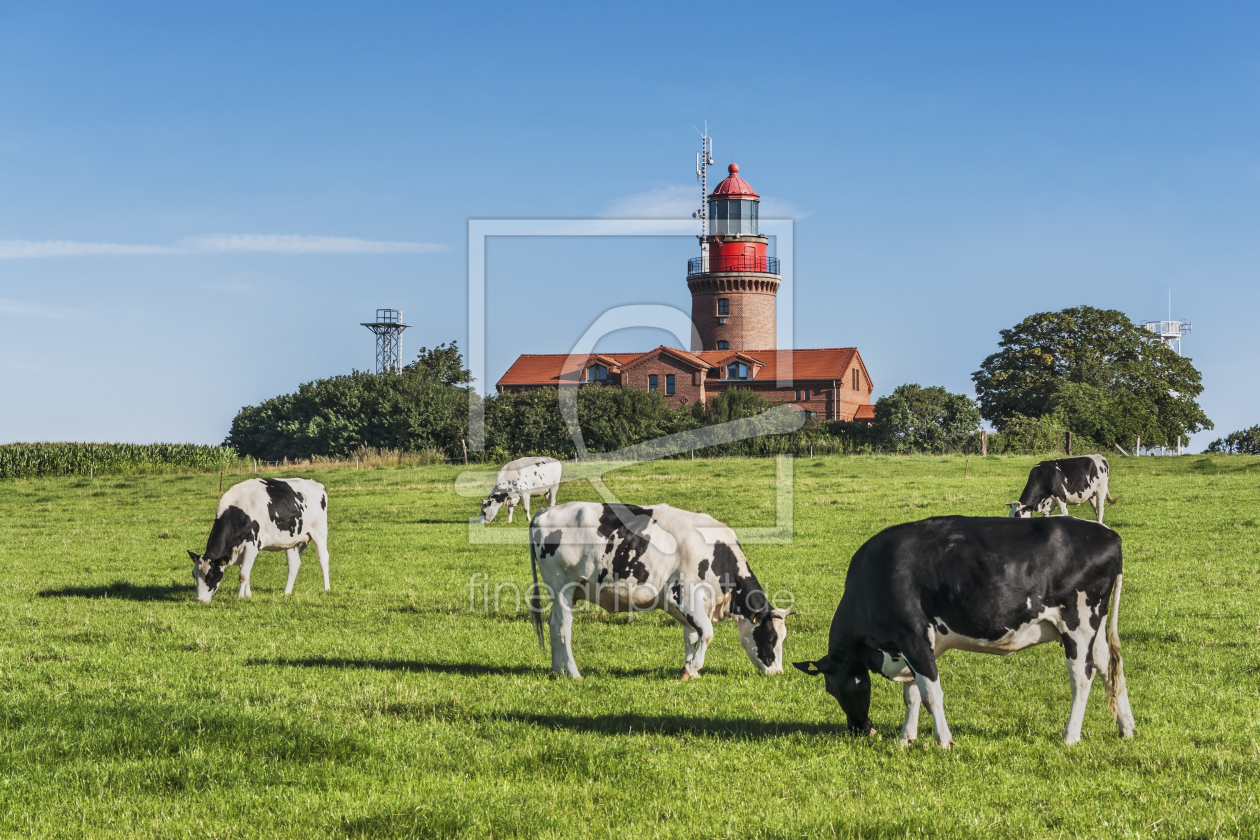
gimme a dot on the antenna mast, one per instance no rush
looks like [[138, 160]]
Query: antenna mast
[[704, 159]]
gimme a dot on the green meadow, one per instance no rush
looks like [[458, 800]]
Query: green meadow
[[393, 707]]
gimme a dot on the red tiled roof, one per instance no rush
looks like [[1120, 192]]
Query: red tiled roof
[[682, 355], [826, 363], [865, 412], [820, 364], [546, 369], [733, 185]]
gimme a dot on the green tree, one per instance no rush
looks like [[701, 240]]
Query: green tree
[[1246, 442], [611, 418], [411, 410], [917, 419], [1103, 375], [443, 363]]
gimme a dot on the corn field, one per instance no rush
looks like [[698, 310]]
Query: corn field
[[43, 460]]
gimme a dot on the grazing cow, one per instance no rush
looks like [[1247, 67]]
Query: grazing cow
[[1065, 481], [627, 558], [518, 480], [990, 585], [263, 514]]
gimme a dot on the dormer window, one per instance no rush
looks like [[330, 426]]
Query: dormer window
[[737, 370], [597, 373]]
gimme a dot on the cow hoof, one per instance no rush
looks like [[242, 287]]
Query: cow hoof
[[686, 675], [905, 742]]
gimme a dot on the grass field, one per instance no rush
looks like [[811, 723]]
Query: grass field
[[388, 708]]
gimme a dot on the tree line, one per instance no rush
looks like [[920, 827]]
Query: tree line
[[1090, 372]]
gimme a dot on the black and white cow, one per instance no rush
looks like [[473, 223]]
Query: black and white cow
[[627, 558], [536, 475], [991, 585], [263, 514], [1065, 481]]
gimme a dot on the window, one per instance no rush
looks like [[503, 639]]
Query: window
[[737, 371], [724, 345], [651, 381], [811, 414], [669, 384], [855, 379], [597, 373], [724, 307]]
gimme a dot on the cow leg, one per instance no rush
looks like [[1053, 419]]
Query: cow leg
[[511, 510], [910, 729], [561, 624], [294, 556], [1099, 502], [551, 495], [525, 502], [696, 650], [1063, 511], [321, 551], [1081, 673], [248, 555], [922, 661], [1120, 705]]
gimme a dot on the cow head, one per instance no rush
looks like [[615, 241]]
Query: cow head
[[762, 637], [848, 682], [499, 497], [1019, 510], [207, 575]]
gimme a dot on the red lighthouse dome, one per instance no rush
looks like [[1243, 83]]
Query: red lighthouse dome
[[733, 185]]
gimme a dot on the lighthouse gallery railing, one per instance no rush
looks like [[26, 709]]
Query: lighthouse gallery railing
[[733, 262]]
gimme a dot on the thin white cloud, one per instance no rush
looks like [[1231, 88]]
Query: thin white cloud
[[24, 309], [244, 243], [23, 249], [678, 202], [672, 202], [260, 243]]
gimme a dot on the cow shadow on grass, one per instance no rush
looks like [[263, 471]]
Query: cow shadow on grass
[[463, 669], [466, 669], [629, 724], [123, 590]]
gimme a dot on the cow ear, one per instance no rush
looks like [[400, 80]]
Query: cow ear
[[821, 666], [195, 557]]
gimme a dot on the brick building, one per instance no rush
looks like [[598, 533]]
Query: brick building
[[733, 284]]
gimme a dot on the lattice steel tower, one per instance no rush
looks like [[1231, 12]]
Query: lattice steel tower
[[388, 328]]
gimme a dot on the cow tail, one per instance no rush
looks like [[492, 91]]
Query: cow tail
[[1115, 666], [535, 600]]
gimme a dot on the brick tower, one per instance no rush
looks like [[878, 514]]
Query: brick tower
[[733, 283]]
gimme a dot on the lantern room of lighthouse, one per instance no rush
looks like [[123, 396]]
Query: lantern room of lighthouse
[[734, 282]]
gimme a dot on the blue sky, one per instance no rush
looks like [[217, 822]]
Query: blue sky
[[199, 205]]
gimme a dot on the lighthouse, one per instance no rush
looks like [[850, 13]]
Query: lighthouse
[[733, 282]]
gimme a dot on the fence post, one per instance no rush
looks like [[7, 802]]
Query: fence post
[[966, 466], [1069, 443], [1137, 450], [984, 444], [464, 444], [220, 481]]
